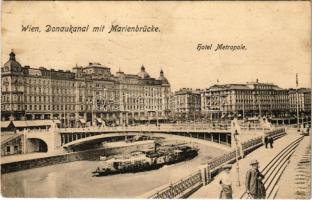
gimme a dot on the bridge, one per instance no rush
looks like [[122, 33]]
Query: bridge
[[63, 139], [72, 137]]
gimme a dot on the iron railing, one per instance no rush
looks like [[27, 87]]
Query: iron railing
[[180, 188]]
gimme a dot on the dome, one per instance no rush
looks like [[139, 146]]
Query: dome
[[162, 78], [12, 64], [143, 74]]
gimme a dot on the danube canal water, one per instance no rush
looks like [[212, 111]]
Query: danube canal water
[[75, 179]]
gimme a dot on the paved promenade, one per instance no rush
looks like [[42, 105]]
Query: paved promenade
[[263, 155]]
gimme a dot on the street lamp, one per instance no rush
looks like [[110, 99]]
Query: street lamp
[[236, 156]]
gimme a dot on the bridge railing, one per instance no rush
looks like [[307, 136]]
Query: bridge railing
[[217, 162], [142, 128], [277, 133], [204, 176], [252, 144], [180, 188], [253, 128], [36, 131]]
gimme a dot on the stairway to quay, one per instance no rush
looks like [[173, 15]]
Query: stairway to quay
[[298, 173], [273, 163]]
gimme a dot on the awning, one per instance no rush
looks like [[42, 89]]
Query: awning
[[5, 124], [83, 121]]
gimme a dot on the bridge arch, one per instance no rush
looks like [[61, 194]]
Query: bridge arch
[[156, 135], [36, 145], [99, 138]]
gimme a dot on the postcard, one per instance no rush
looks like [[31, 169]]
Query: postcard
[[147, 99]]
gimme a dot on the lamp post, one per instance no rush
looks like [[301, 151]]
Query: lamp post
[[194, 118], [236, 156], [92, 110], [297, 105], [259, 104], [243, 109]]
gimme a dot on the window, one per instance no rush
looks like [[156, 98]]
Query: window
[[8, 149]]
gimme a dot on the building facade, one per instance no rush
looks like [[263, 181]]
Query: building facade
[[85, 94], [185, 103], [303, 97], [248, 99]]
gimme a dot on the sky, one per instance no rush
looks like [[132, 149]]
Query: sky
[[276, 36]]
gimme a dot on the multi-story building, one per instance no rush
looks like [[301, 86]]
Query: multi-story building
[[303, 98], [90, 93], [186, 102], [244, 99]]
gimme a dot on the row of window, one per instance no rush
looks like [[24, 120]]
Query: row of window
[[48, 82], [143, 107]]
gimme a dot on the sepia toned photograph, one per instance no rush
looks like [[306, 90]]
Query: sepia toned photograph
[[156, 100]]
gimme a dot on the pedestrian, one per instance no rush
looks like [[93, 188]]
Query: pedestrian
[[225, 182], [271, 142], [254, 185], [266, 141]]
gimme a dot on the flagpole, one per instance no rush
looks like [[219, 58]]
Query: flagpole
[[297, 94]]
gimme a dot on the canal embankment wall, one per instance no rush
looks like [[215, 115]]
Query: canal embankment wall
[[93, 154]]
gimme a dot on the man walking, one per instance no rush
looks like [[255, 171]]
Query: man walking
[[271, 142], [254, 185], [266, 141]]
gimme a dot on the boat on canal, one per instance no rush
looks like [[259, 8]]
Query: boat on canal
[[139, 161]]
